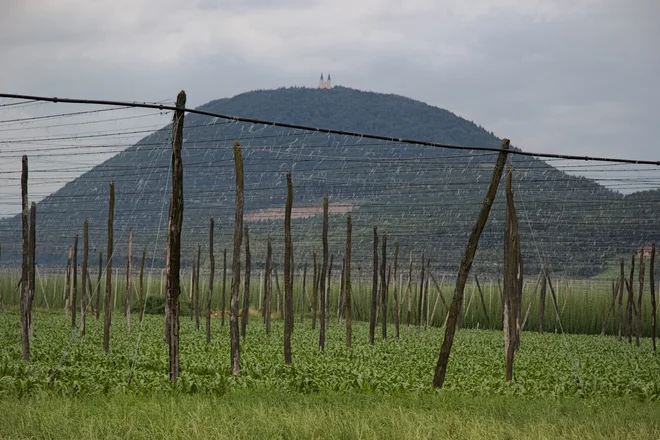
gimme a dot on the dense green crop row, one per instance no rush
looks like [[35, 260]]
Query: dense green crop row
[[549, 364]]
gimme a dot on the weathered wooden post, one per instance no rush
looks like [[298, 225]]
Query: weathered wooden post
[[324, 269], [98, 287], [638, 333], [631, 301], [236, 263], [288, 263], [107, 312], [224, 287], [209, 295], [653, 304], [383, 289], [348, 290], [25, 273], [374, 291], [395, 293], [141, 293], [315, 290], [268, 285], [464, 268], [409, 292], [74, 288], [246, 290], [340, 300], [621, 287], [198, 310], [129, 281], [32, 285], [420, 298], [328, 293], [544, 283], [175, 223], [67, 283], [302, 295], [83, 300]]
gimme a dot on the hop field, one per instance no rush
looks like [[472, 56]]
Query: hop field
[[547, 365]]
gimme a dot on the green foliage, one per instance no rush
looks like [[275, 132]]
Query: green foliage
[[155, 305], [547, 365]]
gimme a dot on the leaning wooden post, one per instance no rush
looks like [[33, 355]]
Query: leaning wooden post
[[246, 290], [173, 266], [374, 292], [464, 268], [209, 294], [328, 293], [631, 301], [74, 287], [324, 269], [129, 281], [383, 289], [25, 274], [348, 290], [107, 312], [395, 293], [83, 300], [236, 263], [33, 267], [542, 301], [288, 263], [98, 287], [653, 304], [420, 298]]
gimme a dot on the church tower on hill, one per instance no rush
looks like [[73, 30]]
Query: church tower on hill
[[325, 84]]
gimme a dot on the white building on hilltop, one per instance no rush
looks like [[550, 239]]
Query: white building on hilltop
[[325, 84]]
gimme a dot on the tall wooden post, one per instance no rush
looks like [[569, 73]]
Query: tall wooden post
[[236, 263], [348, 290], [107, 312], [74, 288], [209, 295], [383, 288], [328, 293], [129, 281], [98, 287], [409, 292], [223, 304], [288, 270], [622, 280], [67, 283], [83, 300], [464, 268], [653, 304], [324, 269], [638, 333], [268, 280], [198, 310], [544, 283], [631, 301], [374, 292], [175, 223], [25, 273], [315, 298], [141, 292], [420, 298], [302, 295], [395, 293], [246, 291], [32, 285]]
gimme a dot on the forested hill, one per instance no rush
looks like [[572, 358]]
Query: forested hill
[[425, 198]]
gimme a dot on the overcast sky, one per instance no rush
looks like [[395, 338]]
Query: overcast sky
[[576, 76]]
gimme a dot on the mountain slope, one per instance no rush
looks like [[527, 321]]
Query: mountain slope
[[427, 198]]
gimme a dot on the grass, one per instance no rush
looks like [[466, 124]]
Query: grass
[[329, 416]]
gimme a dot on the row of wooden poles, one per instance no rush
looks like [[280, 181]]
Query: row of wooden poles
[[511, 291]]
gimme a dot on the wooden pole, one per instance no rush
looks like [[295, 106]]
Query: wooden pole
[[409, 292], [129, 281], [395, 293], [107, 312], [74, 287], [246, 290], [67, 283], [198, 310], [340, 300], [224, 287], [288, 271], [268, 285], [631, 301], [383, 288], [328, 293], [141, 293], [85, 275], [324, 269], [464, 268], [653, 304], [209, 296], [638, 333], [302, 296], [175, 224], [236, 263], [33, 266], [315, 290], [621, 287], [98, 287], [420, 298], [348, 290], [25, 274], [374, 291]]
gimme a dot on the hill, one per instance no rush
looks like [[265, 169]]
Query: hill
[[426, 198]]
